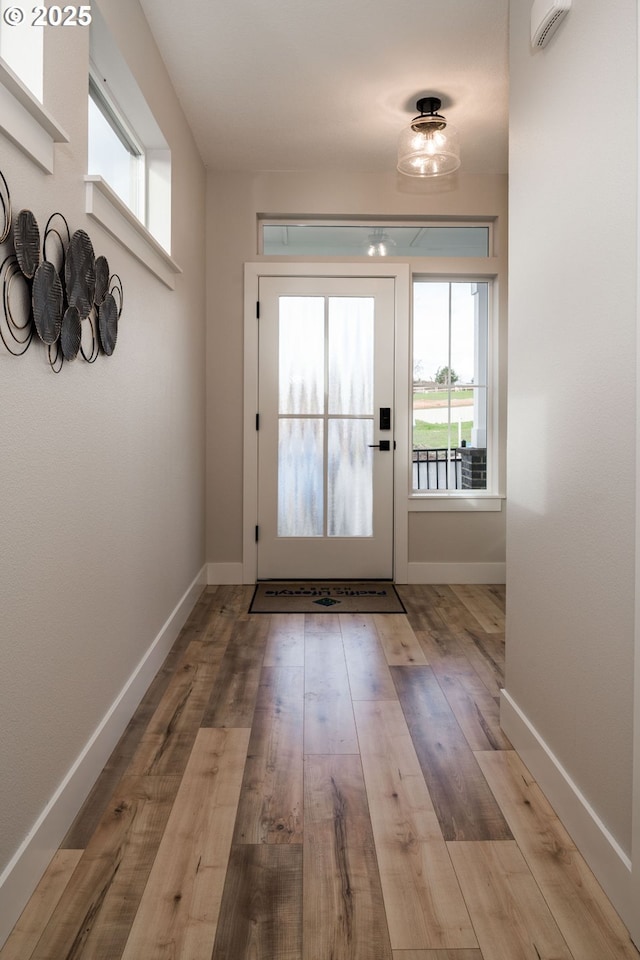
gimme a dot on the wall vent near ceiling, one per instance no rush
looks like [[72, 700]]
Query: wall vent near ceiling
[[546, 16]]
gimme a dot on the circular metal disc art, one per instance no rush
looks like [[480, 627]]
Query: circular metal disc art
[[26, 237], [108, 324], [61, 291], [16, 332], [117, 292], [5, 202], [70, 333], [102, 279], [80, 273], [47, 302], [55, 241]]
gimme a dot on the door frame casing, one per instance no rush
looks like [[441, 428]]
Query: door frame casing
[[401, 274]]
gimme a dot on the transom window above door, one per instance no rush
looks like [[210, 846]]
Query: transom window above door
[[373, 239]]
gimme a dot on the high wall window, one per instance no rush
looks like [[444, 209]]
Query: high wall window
[[115, 153], [23, 117], [22, 47], [126, 145], [450, 386]]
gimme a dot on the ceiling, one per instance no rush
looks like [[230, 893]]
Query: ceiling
[[295, 85]]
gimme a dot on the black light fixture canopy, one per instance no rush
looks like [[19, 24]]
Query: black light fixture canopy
[[429, 105]]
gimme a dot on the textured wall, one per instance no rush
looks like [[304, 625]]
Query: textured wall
[[101, 467], [572, 328]]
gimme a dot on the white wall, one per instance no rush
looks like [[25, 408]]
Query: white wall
[[234, 200], [571, 434], [101, 475]]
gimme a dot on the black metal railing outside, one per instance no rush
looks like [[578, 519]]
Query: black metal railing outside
[[436, 469]]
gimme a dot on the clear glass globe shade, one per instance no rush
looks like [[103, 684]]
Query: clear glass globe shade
[[428, 148]]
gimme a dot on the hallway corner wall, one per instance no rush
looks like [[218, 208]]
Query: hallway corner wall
[[102, 477], [572, 379]]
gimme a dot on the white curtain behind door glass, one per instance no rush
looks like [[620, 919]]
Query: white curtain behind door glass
[[350, 483], [326, 416], [351, 356], [301, 355], [300, 478]]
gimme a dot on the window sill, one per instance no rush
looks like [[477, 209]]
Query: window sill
[[456, 502], [25, 121], [106, 207]]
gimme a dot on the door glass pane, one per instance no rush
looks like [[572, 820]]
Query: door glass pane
[[300, 480], [301, 349], [350, 485], [351, 356]]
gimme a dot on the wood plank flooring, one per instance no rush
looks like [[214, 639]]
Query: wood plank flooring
[[330, 787]]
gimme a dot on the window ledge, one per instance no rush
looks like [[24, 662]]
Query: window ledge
[[106, 207], [455, 502], [25, 121]]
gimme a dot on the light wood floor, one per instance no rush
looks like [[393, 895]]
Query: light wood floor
[[325, 787]]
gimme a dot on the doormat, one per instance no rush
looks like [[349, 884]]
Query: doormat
[[324, 596]]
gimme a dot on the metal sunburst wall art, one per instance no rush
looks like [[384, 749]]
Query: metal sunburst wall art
[[56, 289]]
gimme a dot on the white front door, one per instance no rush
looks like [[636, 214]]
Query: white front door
[[325, 441]]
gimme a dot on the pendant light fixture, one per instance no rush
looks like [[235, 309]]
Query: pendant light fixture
[[429, 146]]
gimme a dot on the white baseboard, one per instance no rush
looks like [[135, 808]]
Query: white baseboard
[[22, 874], [224, 574], [231, 573], [609, 862], [456, 573]]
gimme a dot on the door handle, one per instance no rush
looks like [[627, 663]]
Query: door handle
[[383, 445]]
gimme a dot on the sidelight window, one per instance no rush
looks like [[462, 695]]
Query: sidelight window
[[450, 386]]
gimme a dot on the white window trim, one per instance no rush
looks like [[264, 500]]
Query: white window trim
[[25, 122], [105, 207], [400, 272], [404, 272], [122, 88], [458, 500]]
